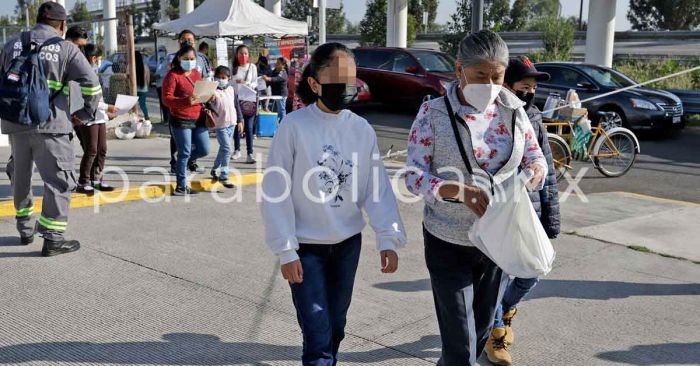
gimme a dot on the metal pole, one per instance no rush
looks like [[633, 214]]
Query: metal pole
[[477, 15], [26, 14], [4, 40], [321, 21], [131, 56], [580, 17]]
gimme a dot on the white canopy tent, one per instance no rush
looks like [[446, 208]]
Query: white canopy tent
[[218, 18]]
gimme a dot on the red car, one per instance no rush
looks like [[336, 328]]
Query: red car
[[293, 103], [402, 76]]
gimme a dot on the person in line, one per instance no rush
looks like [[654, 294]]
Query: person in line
[[48, 145], [94, 137], [203, 50], [491, 122], [244, 73], [186, 37], [228, 117], [521, 78], [78, 36], [187, 125], [143, 80], [318, 239], [278, 82]]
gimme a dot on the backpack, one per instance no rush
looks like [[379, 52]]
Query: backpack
[[24, 91]]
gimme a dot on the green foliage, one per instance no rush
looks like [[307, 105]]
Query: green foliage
[[80, 12], [411, 25], [33, 10], [373, 25], [457, 27], [641, 71], [416, 9], [545, 8], [519, 15], [335, 20], [655, 15], [496, 15], [351, 28], [558, 37], [152, 13]]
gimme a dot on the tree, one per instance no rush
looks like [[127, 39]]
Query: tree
[[351, 28], [33, 10], [457, 27], [545, 8], [557, 36], [373, 25], [519, 15], [335, 20], [652, 15], [79, 13], [152, 13], [416, 9], [496, 14]]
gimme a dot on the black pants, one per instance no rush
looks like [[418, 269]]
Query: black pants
[[94, 141], [467, 287]]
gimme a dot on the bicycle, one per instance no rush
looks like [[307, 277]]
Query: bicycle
[[611, 149]]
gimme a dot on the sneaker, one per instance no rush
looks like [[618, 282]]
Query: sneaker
[[104, 187], [236, 155], [186, 191], [56, 247], [85, 189], [250, 159], [194, 168], [227, 184], [497, 349], [213, 175], [508, 321], [26, 240]]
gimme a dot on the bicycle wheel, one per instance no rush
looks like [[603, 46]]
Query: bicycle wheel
[[618, 150], [561, 154]]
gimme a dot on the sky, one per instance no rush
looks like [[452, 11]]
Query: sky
[[355, 10]]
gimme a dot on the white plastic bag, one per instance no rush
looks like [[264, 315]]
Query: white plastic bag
[[510, 233]]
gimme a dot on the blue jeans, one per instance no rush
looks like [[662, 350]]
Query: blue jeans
[[515, 291], [248, 129], [281, 108], [223, 136], [184, 139], [323, 298]]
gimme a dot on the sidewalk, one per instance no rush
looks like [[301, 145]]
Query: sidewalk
[[192, 283]]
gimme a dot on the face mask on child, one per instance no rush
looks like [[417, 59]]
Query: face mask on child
[[223, 83]]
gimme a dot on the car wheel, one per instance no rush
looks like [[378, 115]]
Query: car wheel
[[614, 118]]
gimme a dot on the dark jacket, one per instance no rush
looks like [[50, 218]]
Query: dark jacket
[[546, 201], [278, 84]]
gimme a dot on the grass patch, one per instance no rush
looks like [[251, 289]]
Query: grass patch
[[643, 249], [693, 120], [640, 248]]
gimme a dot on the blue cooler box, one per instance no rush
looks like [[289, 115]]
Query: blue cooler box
[[267, 124]]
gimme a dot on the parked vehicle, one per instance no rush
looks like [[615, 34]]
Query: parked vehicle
[[638, 108], [363, 92], [401, 76], [153, 63]]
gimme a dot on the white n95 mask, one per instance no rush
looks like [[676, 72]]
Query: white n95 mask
[[481, 96]]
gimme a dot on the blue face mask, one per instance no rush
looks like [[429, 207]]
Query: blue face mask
[[223, 83], [188, 65]]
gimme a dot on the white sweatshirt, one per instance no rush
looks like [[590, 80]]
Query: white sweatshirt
[[320, 146]]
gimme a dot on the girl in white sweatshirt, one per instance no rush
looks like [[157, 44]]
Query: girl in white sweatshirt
[[323, 170]]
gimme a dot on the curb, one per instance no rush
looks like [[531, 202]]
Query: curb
[[79, 200]]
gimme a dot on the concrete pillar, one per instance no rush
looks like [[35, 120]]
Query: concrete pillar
[[186, 7], [400, 23], [109, 8], [600, 36], [390, 23], [274, 6], [321, 21], [164, 4]]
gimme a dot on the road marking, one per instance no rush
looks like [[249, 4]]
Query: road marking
[[79, 200]]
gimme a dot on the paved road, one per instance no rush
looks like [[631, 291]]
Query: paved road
[[666, 168]]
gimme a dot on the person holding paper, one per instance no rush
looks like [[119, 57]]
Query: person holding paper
[[94, 138], [245, 75], [188, 126]]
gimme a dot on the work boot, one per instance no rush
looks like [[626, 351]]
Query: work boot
[[26, 240], [508, 320], [56, 247], [497, 349]]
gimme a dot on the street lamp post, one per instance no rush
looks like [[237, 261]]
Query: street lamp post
[[477, 15]]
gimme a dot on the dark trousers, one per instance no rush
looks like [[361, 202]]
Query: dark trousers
[[322, 300], [467, 287], [94, 141]]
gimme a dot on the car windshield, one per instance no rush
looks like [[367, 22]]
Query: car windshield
[[434, 62], [608, 78]]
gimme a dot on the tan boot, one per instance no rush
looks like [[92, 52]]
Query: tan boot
[[508, 320], [497, 349]]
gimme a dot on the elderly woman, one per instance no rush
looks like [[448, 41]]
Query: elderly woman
[[457, 182]]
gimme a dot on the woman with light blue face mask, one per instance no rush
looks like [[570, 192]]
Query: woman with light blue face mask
[[186, 117]]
